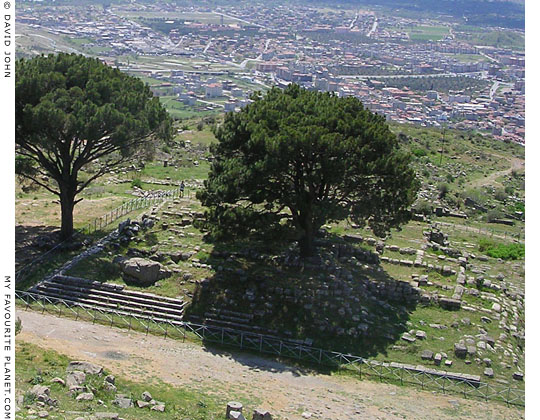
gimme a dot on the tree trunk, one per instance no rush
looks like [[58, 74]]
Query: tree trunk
[[67, 203], [307, 242]]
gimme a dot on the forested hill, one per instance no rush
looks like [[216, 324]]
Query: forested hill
[[477, 12]]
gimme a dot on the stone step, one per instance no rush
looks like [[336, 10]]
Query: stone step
[[232, 313], [116, 300], [144, 300], [81, 298], [236, 326], [108, 286], [112, 310], [226, 317]]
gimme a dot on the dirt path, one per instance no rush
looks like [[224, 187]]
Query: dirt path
[[286, 391], [515, 164]]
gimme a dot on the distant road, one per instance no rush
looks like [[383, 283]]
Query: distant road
[[208, 46], [373, 28], [479, 73], [353, 21], [483, 54], [240, 20]]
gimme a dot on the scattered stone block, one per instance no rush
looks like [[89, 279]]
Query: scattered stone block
[[159, 407], [85, 396], [58, 381], [427, 355], [123, 402], [146, 396], [75, 379], [408, 338], [437, 359], [109, 386], [43, 414], [233, 406], [38, 390], [421, 335], [488, 372], [85, 367], [260, 414], [142, 404], [460, 350], [518, 376]]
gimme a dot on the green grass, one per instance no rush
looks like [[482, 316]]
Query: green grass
[[181, 111], [428, 33], [501, 39], [505, 251], [157, 171], [36, 365]]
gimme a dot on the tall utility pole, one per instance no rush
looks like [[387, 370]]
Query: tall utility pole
[[442, 145]]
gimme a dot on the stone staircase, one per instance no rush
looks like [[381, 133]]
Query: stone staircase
[[110, 297], [241, 322]]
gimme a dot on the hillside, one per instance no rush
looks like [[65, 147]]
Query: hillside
[[446, 291]]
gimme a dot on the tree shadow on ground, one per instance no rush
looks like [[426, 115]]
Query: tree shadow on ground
[[257, 363], [341, 300], [33, 241]]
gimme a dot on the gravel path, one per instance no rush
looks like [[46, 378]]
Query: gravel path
[[286, 391]]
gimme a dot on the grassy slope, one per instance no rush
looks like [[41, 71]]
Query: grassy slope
[[465, 147], [38, 366]]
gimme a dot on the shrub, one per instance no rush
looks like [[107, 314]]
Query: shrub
[[137, 183], [493, 215], [423, 207], [419, 152], [443, 190], [500, 195], [503, 251]]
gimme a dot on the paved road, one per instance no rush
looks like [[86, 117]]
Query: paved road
[[285, 390]]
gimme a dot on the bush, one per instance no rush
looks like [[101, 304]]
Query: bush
[[418, 152], [503, 251], [493, 215], [137, 183], [200, 126], [500, 195], [443, 190], [423, 207]]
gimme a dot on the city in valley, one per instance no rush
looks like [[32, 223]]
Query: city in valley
[[418, 68]]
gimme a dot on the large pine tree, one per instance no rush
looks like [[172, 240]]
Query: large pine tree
[[317, 156], [70, 111]]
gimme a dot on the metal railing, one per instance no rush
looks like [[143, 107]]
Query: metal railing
[[101, 222], [464, 385], [500, 234]]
